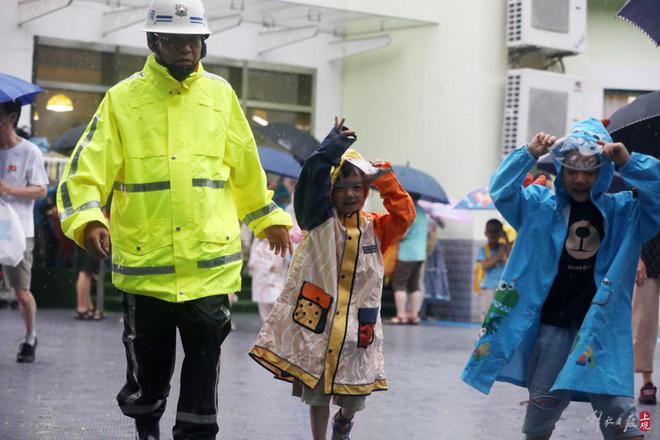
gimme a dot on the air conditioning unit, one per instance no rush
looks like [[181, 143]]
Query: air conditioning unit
[[553, 26], [535, 101]]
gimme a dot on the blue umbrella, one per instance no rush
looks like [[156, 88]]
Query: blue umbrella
[[279, 162], [644, 14], [416, 181], [15, 89]]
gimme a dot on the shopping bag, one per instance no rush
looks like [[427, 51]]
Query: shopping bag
[[12, 238]]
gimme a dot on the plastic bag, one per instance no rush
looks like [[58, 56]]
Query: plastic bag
[[12, 237]]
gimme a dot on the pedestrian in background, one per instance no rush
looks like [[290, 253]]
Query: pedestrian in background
[[88, 267], [645, 317], [174, 144], [23, 179], [490, 262], [267, 270], [406, 280]]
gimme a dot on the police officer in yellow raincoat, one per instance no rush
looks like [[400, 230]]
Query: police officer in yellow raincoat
[[174, 145]]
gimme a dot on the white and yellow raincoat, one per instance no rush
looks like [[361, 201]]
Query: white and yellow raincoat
[[326, 323]]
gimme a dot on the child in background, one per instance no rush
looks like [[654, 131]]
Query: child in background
[[492, 259]]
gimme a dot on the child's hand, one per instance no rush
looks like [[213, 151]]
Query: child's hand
[[616, 152], [339, 125], [540, 143], [379, 163], [383, 168]]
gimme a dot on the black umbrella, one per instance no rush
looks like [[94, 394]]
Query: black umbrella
[[416, 181], [67, 142], [637, 124], [546, 164], [286, 136], [644, 14]]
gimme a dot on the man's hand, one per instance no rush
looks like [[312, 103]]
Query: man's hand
[[540, 143], [278, 238], [640, 276], [616, 152], [97, 240]]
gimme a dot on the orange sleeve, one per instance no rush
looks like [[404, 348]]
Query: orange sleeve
[[391, 226]]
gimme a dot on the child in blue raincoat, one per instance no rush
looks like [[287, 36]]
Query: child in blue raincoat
[[560, 321]]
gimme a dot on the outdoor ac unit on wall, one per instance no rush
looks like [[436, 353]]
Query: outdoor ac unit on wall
[[554, 26], [536, 101]]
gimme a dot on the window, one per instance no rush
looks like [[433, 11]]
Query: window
[[84, 72], [615, 99]]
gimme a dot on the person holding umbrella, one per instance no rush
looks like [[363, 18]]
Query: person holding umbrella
[[560, 320], [23, 180], [406, 280], [173, 143]]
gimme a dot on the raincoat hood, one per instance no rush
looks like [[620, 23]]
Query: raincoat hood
[[586, 133], [350, 155]]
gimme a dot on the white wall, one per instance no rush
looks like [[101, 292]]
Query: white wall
[[618, 56], [82, 22], [434, 98]]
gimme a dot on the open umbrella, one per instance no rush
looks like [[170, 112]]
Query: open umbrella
[[443, 211], [546, 164], [16, 89], [416, 181], [645, 14], [279, 162], [637, 124], [286, 136], [67, 142], [479, 199]]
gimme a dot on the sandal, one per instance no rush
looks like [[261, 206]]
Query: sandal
[[413, 321], [84, 316], [397, 321], [98, 316]]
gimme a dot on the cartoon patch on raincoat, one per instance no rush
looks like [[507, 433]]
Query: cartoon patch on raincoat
[[505, 299]]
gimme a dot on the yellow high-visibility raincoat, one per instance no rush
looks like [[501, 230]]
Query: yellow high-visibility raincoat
[[183, 164]]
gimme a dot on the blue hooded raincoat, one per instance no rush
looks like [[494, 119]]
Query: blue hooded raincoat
[[601, 360]]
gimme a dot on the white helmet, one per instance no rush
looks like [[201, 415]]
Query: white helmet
[[176, 17]]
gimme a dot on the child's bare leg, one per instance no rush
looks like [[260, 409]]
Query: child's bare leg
[[347, 413], [318, 419]]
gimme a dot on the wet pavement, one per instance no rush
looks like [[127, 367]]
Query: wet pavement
[[68, 393]]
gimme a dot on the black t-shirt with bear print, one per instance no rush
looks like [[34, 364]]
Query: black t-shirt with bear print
[[574, 287]]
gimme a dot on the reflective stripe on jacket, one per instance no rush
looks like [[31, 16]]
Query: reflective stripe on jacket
[[184, 168]]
